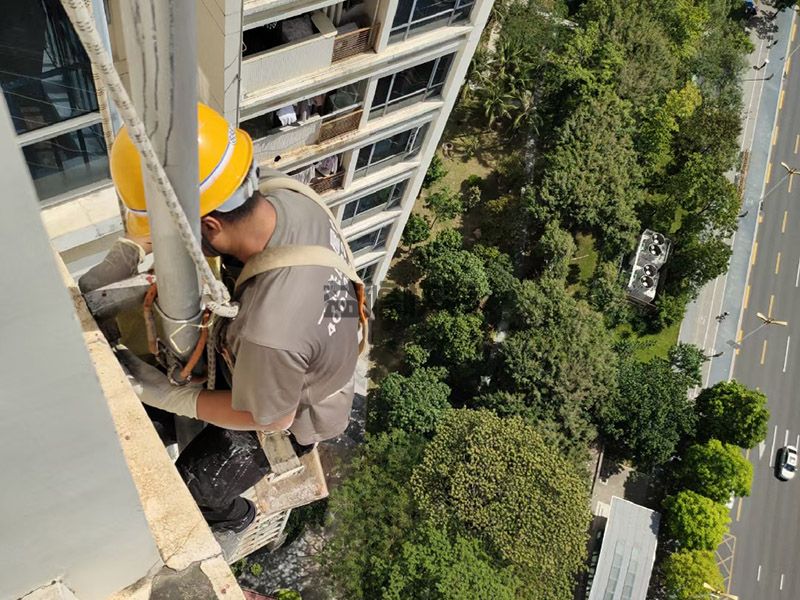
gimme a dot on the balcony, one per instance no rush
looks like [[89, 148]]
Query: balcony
[[310, 121], [277, 52], [323, 175]]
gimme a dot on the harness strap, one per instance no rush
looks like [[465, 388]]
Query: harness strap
[[301, 255]]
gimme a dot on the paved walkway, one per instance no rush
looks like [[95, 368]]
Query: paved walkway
[[761, 89]]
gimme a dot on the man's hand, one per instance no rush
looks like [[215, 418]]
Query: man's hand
[[154, 389]]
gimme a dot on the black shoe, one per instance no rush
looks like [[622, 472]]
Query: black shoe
[[236, 525]]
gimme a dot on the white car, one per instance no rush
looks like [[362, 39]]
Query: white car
[[786, 463]]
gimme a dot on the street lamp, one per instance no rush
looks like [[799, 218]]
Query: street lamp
[[766, 320], [790, 170]]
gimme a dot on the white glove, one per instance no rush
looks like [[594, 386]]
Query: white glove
[[154, 389]]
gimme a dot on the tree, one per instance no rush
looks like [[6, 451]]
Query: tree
[[446, 240], [399, 306], [415, 356], [413, 404], [593, 177], [650, 413], [451, 339], [555, 249], [447, 568], [694, 262], [500, 274], [696, 522], [444, 204], [497, 479], [733, 414], [374, 513], [436, 171], [716, 471], [607, 295], [687, 359], [560, 356], [686, 571], [417, 230], [454, 280]]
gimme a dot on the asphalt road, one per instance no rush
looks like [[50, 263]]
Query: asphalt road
[[766, 525]]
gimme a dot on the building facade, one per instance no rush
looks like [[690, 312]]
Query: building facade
[[349, 96]]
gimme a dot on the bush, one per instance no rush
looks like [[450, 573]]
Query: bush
[[474, 180], [417, 230], [435, 172], [413, 404], [472, 198], [686, 571], [415, 355], [256, 569]]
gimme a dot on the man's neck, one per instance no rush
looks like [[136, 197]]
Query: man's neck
[[255, 232]]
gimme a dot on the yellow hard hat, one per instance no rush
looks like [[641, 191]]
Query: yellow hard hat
[[225, 158]]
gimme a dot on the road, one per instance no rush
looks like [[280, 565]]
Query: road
[[766, 525]]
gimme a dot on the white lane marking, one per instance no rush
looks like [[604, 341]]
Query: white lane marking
[[797, 443], [786, 438], [761, 447], [797, 277], [758, 575], [781, 581], [772, 450], [786, 356]]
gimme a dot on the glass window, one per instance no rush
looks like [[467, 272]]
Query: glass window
[[390, 150], [47, 82], [421, 15], [367, 274], [44, 72], [419, 82], [68, 161], [374, 240], [384, 199]]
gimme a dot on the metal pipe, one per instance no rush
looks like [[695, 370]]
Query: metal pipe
[[160, 44]]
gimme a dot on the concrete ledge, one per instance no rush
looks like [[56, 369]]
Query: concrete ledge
[[185, 543]]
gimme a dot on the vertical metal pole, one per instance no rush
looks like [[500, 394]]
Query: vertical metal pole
[[160, 43]]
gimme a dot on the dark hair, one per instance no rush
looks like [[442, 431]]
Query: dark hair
[[240, 213]]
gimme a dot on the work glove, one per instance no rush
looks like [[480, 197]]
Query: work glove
[[121, 262], [155, 389]]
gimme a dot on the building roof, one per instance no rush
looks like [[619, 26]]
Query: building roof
[[627, 554]]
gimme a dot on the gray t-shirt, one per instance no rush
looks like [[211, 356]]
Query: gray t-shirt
[[296, 336]]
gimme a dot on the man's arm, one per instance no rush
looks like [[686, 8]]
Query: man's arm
[[214, 406]]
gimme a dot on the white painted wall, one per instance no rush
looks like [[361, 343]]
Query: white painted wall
[[68, 507]]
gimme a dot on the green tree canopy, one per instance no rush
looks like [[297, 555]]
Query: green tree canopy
[[687, 359], [686, 571], [436, 566], [732, 413], [446, 240], [417, 230], [606, 294], [413, 404], [374, 514], [696, 522], [650, 413], [455, 280], [593, 177], [445, 204], [716, 470], [451, 339], [554, 250], [498, 480]]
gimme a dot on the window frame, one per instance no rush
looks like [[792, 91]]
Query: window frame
[[431, 89], [390, 203], [400, 33], [375, 246], [411, 149]]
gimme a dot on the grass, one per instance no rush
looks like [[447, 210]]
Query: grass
[[658, 344], [583, 264]]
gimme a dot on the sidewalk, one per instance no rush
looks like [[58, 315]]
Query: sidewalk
[[724, 294]]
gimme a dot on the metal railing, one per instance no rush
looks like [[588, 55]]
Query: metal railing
[[352, 43], [326, 184], [339, 126]]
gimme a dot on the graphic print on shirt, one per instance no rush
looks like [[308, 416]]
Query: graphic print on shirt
[[339, 302]]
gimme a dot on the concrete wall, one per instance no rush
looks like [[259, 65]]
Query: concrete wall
[[69, 509]]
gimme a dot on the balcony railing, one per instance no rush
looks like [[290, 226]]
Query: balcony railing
[[354, 42], [326, 184], [339, 126]]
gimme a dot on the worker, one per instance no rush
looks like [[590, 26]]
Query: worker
[[294, 343]]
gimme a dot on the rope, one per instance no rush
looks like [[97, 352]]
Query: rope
[[215, 295]]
